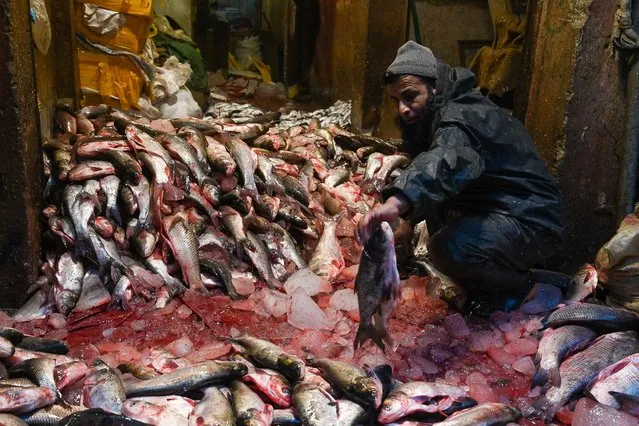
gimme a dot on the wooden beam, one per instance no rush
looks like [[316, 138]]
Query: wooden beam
[[21, 159]]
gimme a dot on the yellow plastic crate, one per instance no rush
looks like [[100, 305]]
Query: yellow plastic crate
[[130, 7], [114, 80], [131, 37]]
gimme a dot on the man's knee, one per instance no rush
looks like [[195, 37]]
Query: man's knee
[[450, 257]]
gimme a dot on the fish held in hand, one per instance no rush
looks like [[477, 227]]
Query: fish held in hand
[[377, 286]]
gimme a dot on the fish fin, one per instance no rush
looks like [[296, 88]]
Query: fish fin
[[540, 378], [544, 320], [554, 378], [458, 404]]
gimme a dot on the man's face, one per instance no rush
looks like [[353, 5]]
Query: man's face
[[411, 96]]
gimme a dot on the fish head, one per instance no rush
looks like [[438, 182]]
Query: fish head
[[394, 407], [369, 390], [292, 367], [280, 392], [380, 241]]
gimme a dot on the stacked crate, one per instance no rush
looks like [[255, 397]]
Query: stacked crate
[[114, 80]]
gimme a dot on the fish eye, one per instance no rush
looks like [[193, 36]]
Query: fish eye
[[286, 391]]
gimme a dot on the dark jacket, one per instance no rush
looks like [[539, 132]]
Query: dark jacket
[[480, 160]]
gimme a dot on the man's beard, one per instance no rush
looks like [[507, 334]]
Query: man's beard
[[417, 136]]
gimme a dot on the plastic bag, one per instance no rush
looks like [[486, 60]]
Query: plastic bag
[[40, 25], [170, 78], [617, 264], [180, 105], [101, 21]]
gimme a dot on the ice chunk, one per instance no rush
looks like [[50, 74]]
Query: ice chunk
[[479, 388], [349, 273], [525, 366], [183, 312], [138, 325], [244, 283], [481, 341], [308, 281], [305, 314], [456, 326], [425, 366], [501, 357], [181, 347], [344, 300], [524, 346], [211, 351], [276, 303], [55, 320], [591, 413]]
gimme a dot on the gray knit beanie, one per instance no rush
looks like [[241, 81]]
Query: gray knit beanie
[[413, 58]]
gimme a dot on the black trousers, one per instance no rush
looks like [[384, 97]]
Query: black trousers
[[490, 253]]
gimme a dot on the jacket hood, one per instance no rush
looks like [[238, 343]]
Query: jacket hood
[[452, 83]]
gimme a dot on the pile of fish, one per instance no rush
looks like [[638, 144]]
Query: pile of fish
[[338, 114], [147, 209], [145, 216]]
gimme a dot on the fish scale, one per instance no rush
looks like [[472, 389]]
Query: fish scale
[[597, 316]]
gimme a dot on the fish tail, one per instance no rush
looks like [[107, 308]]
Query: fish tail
[[366, 332], [540, 378]]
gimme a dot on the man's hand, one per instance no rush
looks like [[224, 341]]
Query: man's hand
[[394, 207]]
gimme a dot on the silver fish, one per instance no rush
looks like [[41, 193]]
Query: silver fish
[[249, 407], [259, 258], [198, 141], [246, 162], [67, 289], [582, 284], [37, 307], [111, 186], [621, 377], [358, 384], [578, 370], [327, 260], [271, 356], [93, 292], [187, 378], [488, 414], [18, 400], [38, 370], [184, 245], [103, 388], [214, 409], [554, 347]]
